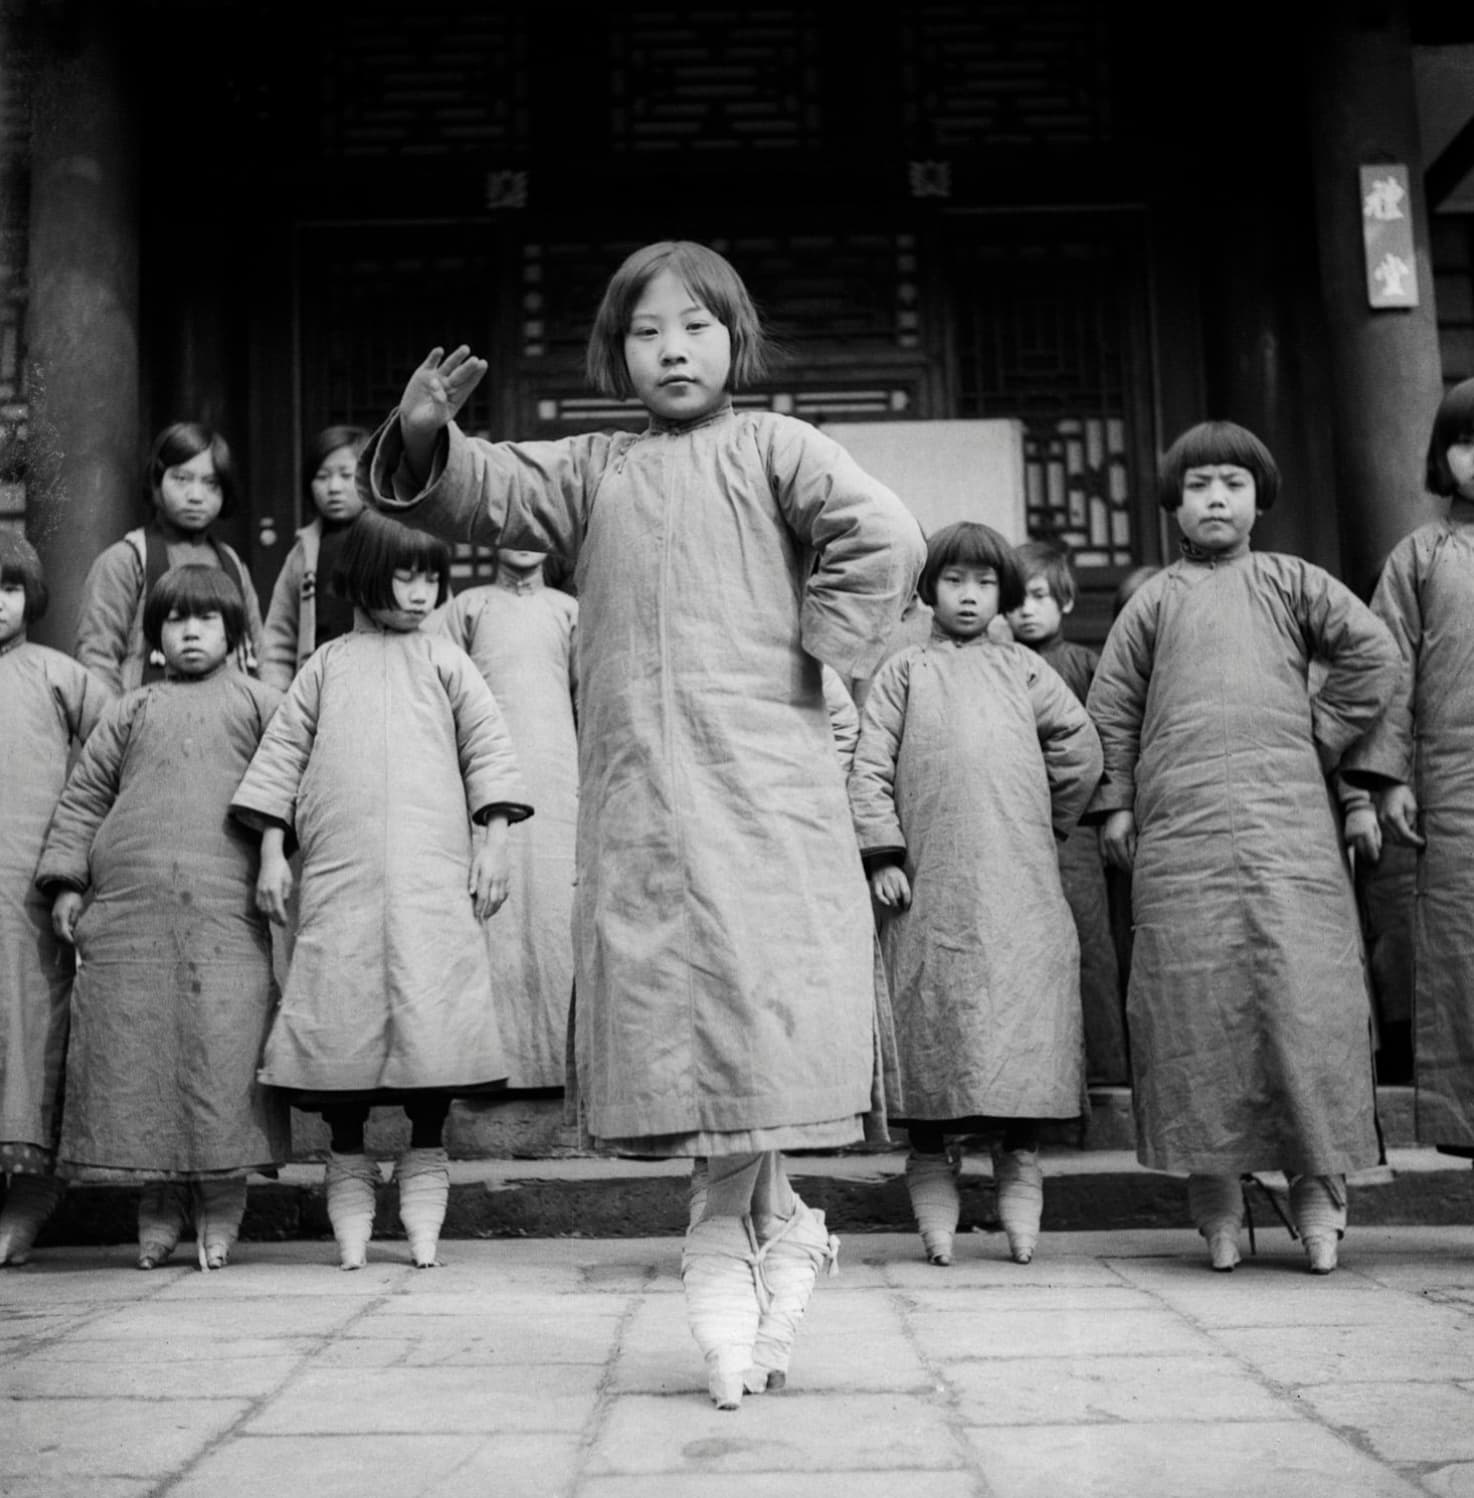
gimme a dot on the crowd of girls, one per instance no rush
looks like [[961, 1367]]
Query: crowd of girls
[[705, 874]]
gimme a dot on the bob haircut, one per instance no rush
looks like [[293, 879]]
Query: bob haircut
[[1454, 423], [374, 547], [192, 592], [1051, 561], [969, 543], [20, 567], [1210, 443], [321, 447], [185, 440], [709, 278]]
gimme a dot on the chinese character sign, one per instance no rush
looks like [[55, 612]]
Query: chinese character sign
[[1387, 236]]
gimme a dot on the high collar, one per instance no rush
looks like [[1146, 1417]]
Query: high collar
[[365, 623], [14, 643], [939, 636], [664, 428], [189, 681], [521, 586], [1204, 558], [1461, 511]]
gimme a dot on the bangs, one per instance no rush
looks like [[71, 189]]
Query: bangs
[[20, 567], [374, 549], [1452, 426], [191, 592], [1209, 444], [1051, 561], [969, 543]]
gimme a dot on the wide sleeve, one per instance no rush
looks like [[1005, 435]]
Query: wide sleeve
[[868, 547], [529, 495], [281, 631], [872, 781], [110, 595], [1117, 703], [88, 796], [80, 697], [1384, 754], [452, 621], [267, 794], [1069, 742], [489, 768], [1362, 662]]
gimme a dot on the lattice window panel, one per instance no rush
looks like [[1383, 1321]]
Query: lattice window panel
[[423, 81], [713, 79], [856, 293], [1453, 276], [1047, 328], [15, 139], [1033, 73]]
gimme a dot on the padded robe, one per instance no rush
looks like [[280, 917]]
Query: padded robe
[[522, 643], [724, 957], [48, 703], [1426, 740], [1247, 1005], [386, 747], [973, 758], [174, 990]]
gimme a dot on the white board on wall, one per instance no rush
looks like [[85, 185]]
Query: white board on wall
[[946, 470]]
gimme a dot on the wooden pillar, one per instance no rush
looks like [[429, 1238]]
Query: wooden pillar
[[82, 315], [1386, 378]]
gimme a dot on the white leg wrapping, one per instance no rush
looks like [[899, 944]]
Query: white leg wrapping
[[28, 1203], [162, 1208], [935, 1201], [350, 1183], [719, 1273], [791, 1253], [1216, 1206], [1020, 1185], [219, 1205], [424, 1191], [1318, 1205]]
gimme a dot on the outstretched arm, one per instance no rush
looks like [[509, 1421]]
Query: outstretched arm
[[441, 384]]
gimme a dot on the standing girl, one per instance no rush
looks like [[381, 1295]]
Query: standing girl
[[520, 634], [1421, 759], [724, 950], [155, 885], [303, 615], [51, 704], [192, 484], [386, 752], [1247, 1005], [973, 759]]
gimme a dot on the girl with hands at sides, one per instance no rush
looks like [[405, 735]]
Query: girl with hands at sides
[[1417, 761], [974, 759], [390, 767], [154, 885], [1247, 1004], [719, 557]]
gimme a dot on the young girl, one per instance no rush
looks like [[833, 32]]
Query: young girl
[[1419, 757], [386, 751], [1248, 1009], [724, 952], [973, 759], [192, 484], [302, 615], [520, 634], [1038, 622], [154, 884], [51, 704]]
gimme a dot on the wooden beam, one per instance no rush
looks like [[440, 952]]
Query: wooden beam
[[1451, 166]]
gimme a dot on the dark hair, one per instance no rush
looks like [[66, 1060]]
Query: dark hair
[[1212, 442], [1453, 423], [709, 278], [969, 543], [321, 447], [1051, 561], [20, 567], [192, 592], [185, 440], [374, 546]]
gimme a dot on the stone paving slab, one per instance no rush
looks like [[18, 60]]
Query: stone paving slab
[[1115, 1364]]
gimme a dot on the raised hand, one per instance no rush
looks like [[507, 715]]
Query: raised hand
[[437, 390]]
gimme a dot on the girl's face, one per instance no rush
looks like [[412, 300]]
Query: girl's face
[[194, 644], [333, 490], [414, 599], [1039, 618], [12, 612], [190, 496], [967, 598], [679, 355], [1460, 459], [1219, 507]]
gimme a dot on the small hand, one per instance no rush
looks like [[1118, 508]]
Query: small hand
[[274, 888], [65, 910], [1364, 834], [1118, 840], [438, 389], [1397, 809], [490, 879], [891, 887]]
